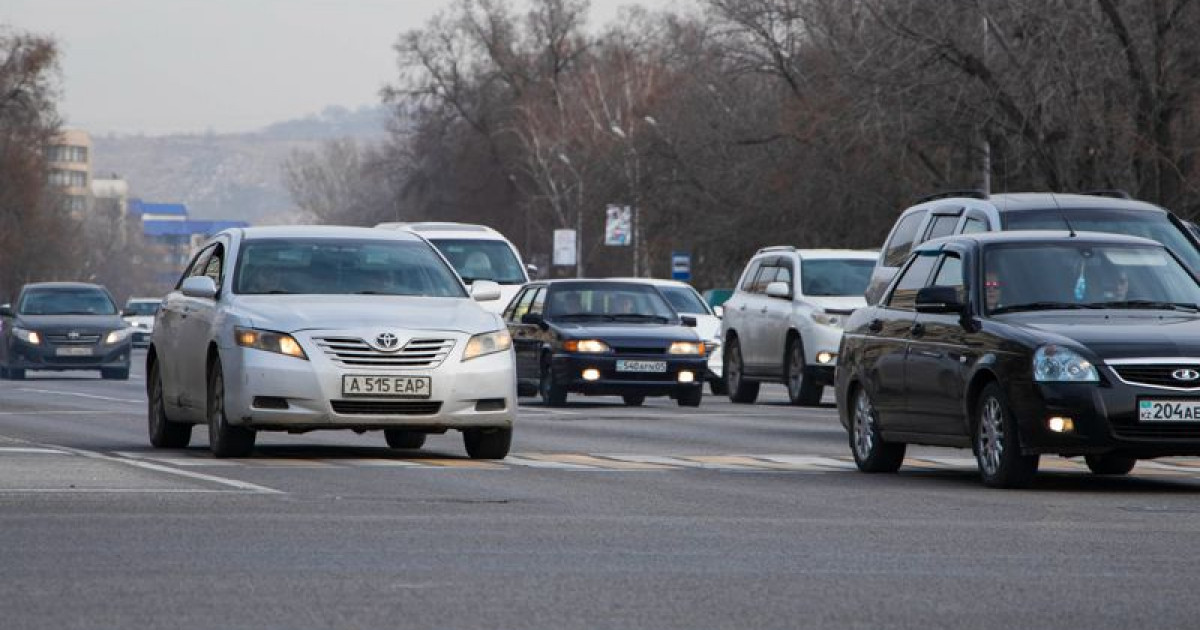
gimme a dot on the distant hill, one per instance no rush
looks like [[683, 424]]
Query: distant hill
[[228, 176]]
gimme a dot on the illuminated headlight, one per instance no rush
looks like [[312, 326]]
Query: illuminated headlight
[[270, 341], [825, 358], [30, 337], [687, 347], [1055, 364], [712, 345], [827, 319], [487, 343], [589, 346], [117, 336]]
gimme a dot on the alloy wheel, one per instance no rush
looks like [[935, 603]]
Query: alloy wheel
[[991, 436], [864, 426]]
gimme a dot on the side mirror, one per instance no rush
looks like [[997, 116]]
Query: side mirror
[[534, 319], [199, 287], [485, 291], [531, 271], [939, 300], [719, 311], [688, 321], [779, 289], [6, 310]]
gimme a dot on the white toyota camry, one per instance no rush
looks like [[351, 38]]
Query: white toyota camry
[[306, 328]]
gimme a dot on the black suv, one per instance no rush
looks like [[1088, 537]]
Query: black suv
[[64, 326], [967, 212]]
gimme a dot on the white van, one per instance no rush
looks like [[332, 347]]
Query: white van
[[476, 252]]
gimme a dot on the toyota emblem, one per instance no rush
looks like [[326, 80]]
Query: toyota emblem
[[1185, 374], [387, 342]]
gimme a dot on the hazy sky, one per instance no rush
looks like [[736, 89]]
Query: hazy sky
[[161, 66]]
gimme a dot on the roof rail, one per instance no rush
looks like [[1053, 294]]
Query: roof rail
[[777, 248], [1115, 193], [971, 194]]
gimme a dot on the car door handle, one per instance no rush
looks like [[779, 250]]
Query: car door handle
[[876, 325], [917, 329]]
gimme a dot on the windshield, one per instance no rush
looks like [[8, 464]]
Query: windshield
[[343, 266], [836, 277], [142, 309], [685, 300], [1033, 276], [607, 301], [1156, 226], [475, 259], [66, 302]]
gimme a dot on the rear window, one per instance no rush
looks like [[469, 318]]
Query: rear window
[[902, 239], [1156, 226]]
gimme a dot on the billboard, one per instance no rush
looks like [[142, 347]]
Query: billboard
[[618, 226]]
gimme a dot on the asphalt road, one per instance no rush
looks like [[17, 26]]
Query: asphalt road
[[729, 516]]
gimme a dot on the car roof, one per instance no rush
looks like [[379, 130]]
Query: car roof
[[819, 254], [562, 281], [658, 282], [63, 285], [144, 299], [322, 231], [444, 229], [1036, 236], [1020, 201]]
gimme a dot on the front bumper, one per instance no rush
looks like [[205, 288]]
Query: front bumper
[[45, 356], [820, 339], [1105, 418], [271, 391], [567, 369]]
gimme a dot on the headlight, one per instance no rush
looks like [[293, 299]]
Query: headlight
[[712, 345], [1055, 364], [686, 347], [827, 319], [30, 337], [117, 336], [276, 342], [487, 343], [590, 346]]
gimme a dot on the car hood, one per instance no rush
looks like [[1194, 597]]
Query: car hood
[[1122, 334], [67, 323], [627, 334], [291, 313]]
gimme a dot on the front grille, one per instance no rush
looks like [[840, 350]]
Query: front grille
[[624, 350], [81, 340], [387, 408], [417, 353], [1152, 431], [1156, 375]]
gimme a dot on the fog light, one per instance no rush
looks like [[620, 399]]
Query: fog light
[[591, 374], [825, 357], [1059, 424], [686, 376]]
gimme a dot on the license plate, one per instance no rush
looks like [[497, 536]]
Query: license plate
[[73, 352], [387, 386], [1184, 410], [628, 365]]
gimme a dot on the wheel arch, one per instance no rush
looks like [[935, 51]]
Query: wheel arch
[[979, 381]]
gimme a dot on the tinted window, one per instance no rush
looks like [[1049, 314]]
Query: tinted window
[[64, 301], [521, 305], [212, 268], [975, 225], [902, 239], [482, 260], [1149, 224], [343, 266], [538, 306], [766, 275], [196, 267], [748, 279], [914, 277], [607, 301], [835, 277], [950, 274], [943, 225], [684, 300], [784, 274]]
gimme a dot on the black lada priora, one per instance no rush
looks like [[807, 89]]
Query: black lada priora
[[1019, 344], [604, 338]]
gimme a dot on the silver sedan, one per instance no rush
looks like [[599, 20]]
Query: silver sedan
[[306, 328]]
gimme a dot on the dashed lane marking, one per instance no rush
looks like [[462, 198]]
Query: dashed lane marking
[[81, 395]]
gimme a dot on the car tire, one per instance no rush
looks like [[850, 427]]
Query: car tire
[[553, 394], [487, 443], [163, 432], [224, 439], [115, 374], [691, 397], [717, 387], [740, 390], [871, 453], [802, 391], [400, 438], [1110, 464], [634, 400], [998, 445]]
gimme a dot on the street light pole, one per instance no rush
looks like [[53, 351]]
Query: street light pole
[[633, 175], [562, 157]]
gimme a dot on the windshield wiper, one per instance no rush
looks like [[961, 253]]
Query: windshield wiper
[[640, 317], [580, 316], [1148, 304], [1041, 306]]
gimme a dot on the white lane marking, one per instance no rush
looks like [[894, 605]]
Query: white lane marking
[[73, 412], [657, 459], [234, 483], [810, 461], [517, 460], [91, 396], [182, 460], [31, 450], [121, 491]]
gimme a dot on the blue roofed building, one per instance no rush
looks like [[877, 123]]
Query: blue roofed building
[[172, 236]]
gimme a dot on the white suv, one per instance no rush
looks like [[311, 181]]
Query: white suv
[[477, 252], [784, 321]]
